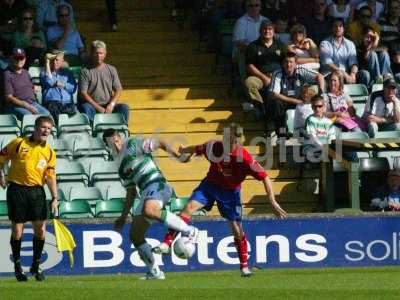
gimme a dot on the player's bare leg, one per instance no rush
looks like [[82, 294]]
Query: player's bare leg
[[138, 229], [241, 247], [165, 247], [17, 230], [39, 230]]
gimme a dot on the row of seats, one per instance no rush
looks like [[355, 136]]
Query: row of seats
[[9, 125]]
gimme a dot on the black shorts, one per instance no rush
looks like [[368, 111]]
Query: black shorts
[[26, 203]]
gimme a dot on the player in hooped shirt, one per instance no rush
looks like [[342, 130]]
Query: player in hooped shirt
[[222, 185]]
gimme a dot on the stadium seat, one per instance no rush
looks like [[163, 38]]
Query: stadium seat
[[70, 137], [113, 192], [28, 124], [34, 72], [377, 87], [65, 187], [76, 71], [75, 123], [104, 184], [60, 194], [111, 208], [62, 148], [75, 209], [392, 157], [289, 118], [5, 139], [357, 92], [91, 147], [3, 194], [71, 172], [102, 122], [87, 160], [359, 107], [89, 194], [9, 125], [3, 210], [354, 135], [387, 135], [104, 172]]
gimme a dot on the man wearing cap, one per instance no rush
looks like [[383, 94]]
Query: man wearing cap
[[387, 197], [19, 89], [262, 58], [382, 111]]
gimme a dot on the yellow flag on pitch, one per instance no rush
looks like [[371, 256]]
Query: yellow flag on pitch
[[64, 239]]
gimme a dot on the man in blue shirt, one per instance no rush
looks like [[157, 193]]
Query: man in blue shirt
[[58, 86], [64, 37], [387, 197]]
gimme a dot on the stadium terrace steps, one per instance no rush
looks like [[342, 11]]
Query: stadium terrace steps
[[174, 93]]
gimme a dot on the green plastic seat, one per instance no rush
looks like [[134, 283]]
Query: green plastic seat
[[9, 125], [34, 72], [89, 194], [60, 194], [359, 107], [354, 135], [110, 208], [75, 209], [377, 87], [102, 122], [387, 135], [28, 124], [5, 139], [289, 120], [91, 147], [103, 185], [75, 123], [105, 171], [3, 194], [3, 210], [113, 192], [61, 148], [357, 92], [71, 171], [66, 186], [76, 71]]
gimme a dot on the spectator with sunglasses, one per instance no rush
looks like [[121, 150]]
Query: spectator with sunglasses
[[63, 36], [382, 111], [362, 19], [47, 12], [29, 37]]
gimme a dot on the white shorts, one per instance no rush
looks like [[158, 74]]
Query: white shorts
[[159, 191]]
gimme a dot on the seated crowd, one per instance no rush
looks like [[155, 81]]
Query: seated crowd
[[42, 35]]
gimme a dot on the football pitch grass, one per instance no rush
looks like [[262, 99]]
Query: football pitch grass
[[334, 283]]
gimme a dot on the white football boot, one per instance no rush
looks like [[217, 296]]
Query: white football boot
[[246, 272], [153, 275], [193, 234], [162, 248]]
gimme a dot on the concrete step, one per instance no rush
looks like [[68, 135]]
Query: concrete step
[[119, 37], [168, 81], [204, 92], [209, 104], [178, 70], [132, 26]]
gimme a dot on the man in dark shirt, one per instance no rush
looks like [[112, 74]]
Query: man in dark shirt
[[319, 25], [262, 58]]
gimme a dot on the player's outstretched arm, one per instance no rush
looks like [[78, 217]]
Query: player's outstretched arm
[[186, 153], [167, 148], [277, 209], [130, 197]]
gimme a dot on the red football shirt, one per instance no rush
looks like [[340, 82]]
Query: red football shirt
[[228, 170]]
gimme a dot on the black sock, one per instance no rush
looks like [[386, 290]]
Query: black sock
[[16, 249], [37, 251]]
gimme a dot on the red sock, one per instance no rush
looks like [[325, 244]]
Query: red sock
[[241, 247], [171, 234]]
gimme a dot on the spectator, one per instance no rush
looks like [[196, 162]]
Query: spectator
[[304, 109], [58, 86], [47, 13], [362, 20], [319, 25], [339, 54], [281, 29], [246, 30], [29, 37], [390, 24], [377, 8], [382, 111], [318, 131], [339, 105], [262, 58], [18, 88], [100, 87], [307, 52], [63, 36], [395, 61], [387, 197], [286, 86], [340, 9], [374, 62]]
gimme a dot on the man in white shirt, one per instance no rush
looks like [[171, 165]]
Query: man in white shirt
[[382, 111], [246, 30]]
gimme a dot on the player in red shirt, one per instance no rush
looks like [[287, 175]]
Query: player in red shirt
[[229, 168]]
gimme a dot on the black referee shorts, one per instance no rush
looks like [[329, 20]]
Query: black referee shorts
[[26, 203]]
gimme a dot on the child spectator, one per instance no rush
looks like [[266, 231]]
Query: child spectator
[[303, 110], [318, 130], [387, 197]]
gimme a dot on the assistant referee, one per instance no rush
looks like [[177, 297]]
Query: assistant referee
[[32, 165]]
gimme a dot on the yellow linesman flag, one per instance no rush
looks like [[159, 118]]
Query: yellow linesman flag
[[65, 240]]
